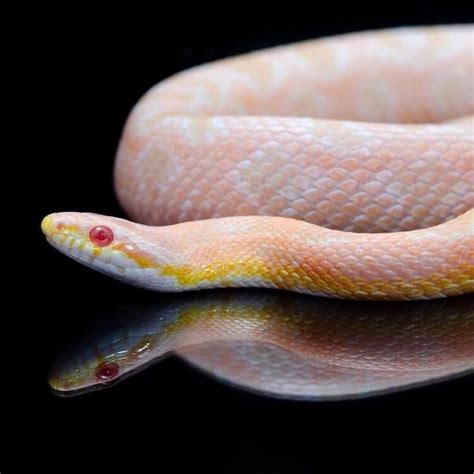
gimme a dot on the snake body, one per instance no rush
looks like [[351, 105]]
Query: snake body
[[286, 345], [326, 196]]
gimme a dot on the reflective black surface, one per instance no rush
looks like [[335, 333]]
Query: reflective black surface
[[73, 74], [277, 343]]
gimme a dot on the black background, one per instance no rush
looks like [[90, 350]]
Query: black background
[[73, 73]]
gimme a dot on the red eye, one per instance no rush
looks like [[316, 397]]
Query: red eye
[[107, 371], [101, 235]]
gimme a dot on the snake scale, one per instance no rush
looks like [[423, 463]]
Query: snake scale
[[340, 167]]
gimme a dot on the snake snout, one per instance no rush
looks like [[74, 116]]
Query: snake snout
[[57, 223], [48, 225]]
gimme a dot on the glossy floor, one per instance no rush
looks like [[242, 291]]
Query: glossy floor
[[277, 343]]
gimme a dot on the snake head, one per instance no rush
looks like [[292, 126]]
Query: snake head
[[121, 249], [103, 360], [85, 367], [69, 377], [126, 338]]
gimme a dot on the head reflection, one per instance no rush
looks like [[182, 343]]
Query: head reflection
[[281, 344]]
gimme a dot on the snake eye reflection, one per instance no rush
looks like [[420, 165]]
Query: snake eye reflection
[[101, 235], [107, 371]]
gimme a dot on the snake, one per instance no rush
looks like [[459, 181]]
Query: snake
[[339, 167], [276, 343]]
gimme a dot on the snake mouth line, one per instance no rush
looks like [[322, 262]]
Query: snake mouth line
[[115, 261], [55, 386], [79, 250]]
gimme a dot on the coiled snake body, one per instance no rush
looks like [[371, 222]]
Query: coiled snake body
[[329, 155]]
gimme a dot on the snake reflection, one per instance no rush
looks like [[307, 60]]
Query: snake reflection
[[280, 344]]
